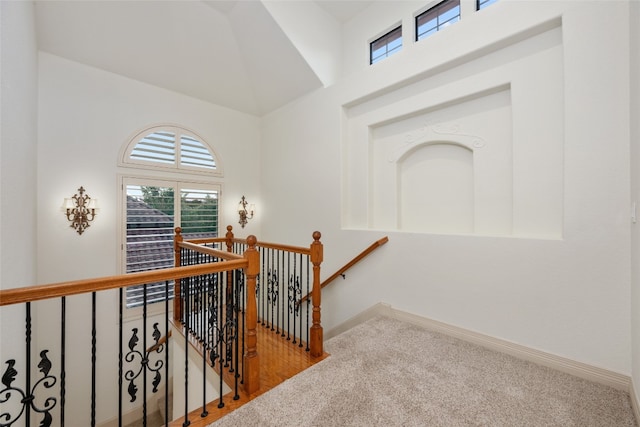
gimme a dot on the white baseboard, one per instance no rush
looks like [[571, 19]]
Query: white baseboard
[[578, 369], [380, 309], [635, 402]]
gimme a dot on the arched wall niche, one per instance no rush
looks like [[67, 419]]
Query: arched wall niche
[[436, 188], [444, 170], [510, 124]]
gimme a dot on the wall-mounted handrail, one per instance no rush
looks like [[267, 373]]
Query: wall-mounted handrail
[[375, 245]]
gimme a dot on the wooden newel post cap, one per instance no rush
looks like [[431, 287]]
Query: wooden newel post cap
[[316, 249], [229, 228], [252, 241], [178, 230]]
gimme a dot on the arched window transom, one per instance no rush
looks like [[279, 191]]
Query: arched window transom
[[171, 147]]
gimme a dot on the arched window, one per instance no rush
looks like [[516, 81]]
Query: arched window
[[171, 147], [170, 177]]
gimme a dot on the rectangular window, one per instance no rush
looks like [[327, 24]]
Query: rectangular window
[[481, 4], [436, 18], [386, 45], [153, 208]]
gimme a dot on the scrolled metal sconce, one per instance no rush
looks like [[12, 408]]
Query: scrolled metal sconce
[[80, 210], [245, 215]]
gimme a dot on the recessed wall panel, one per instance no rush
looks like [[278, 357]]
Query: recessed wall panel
[[403, 148]]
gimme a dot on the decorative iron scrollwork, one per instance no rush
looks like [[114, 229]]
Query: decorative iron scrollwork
[[144, 361], [272, 287], [295, 293], [19, 400], [223, 334]]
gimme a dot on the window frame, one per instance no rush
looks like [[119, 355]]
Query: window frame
[[124, 158], [387, 54], [439, 26], [178, 185], [147, 173], [481, 4]]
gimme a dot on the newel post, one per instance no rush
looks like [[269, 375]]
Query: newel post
[[177, 299], [316, 340], [229, 238], [251, 360]]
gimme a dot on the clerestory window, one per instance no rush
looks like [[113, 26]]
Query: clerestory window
[[436, 18], [481, 4], [386, 45]]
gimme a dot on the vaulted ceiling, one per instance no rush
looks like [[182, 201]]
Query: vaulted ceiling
[[232, 53]]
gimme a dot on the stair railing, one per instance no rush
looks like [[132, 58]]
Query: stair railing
[[142, 363], [286, 273]]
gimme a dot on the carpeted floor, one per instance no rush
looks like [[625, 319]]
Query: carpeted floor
[[385, 372]]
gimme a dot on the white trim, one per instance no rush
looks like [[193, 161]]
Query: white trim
[[572, 367], [380, 309], [635, 402]]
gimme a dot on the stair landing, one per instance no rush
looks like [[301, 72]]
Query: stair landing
[[279, 361]]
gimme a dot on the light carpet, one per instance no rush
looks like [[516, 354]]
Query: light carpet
[[385, 372]]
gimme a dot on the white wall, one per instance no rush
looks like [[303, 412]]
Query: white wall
[[18, 135], [86, 115], [634, 18], [18, 150], [483, 104], [568, 296]]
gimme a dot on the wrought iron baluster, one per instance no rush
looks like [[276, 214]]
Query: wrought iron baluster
[[220, 332], [268, 287], [25, 400], [205, 343], [308, 303], [186, 363], [238, 285], [140, 362], [299, 306], [145, 359], [244, 302], [166, 354], [260, 290], [63, 346], [283, 295], [28, 370], [120, 355], [295, 293], [288, 309]]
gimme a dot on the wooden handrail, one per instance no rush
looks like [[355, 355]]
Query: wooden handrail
[[277, 246], [375, 245], [56, 290], [211, 251]]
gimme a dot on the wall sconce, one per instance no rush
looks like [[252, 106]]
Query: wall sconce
[[245, 215], [80, 210]]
